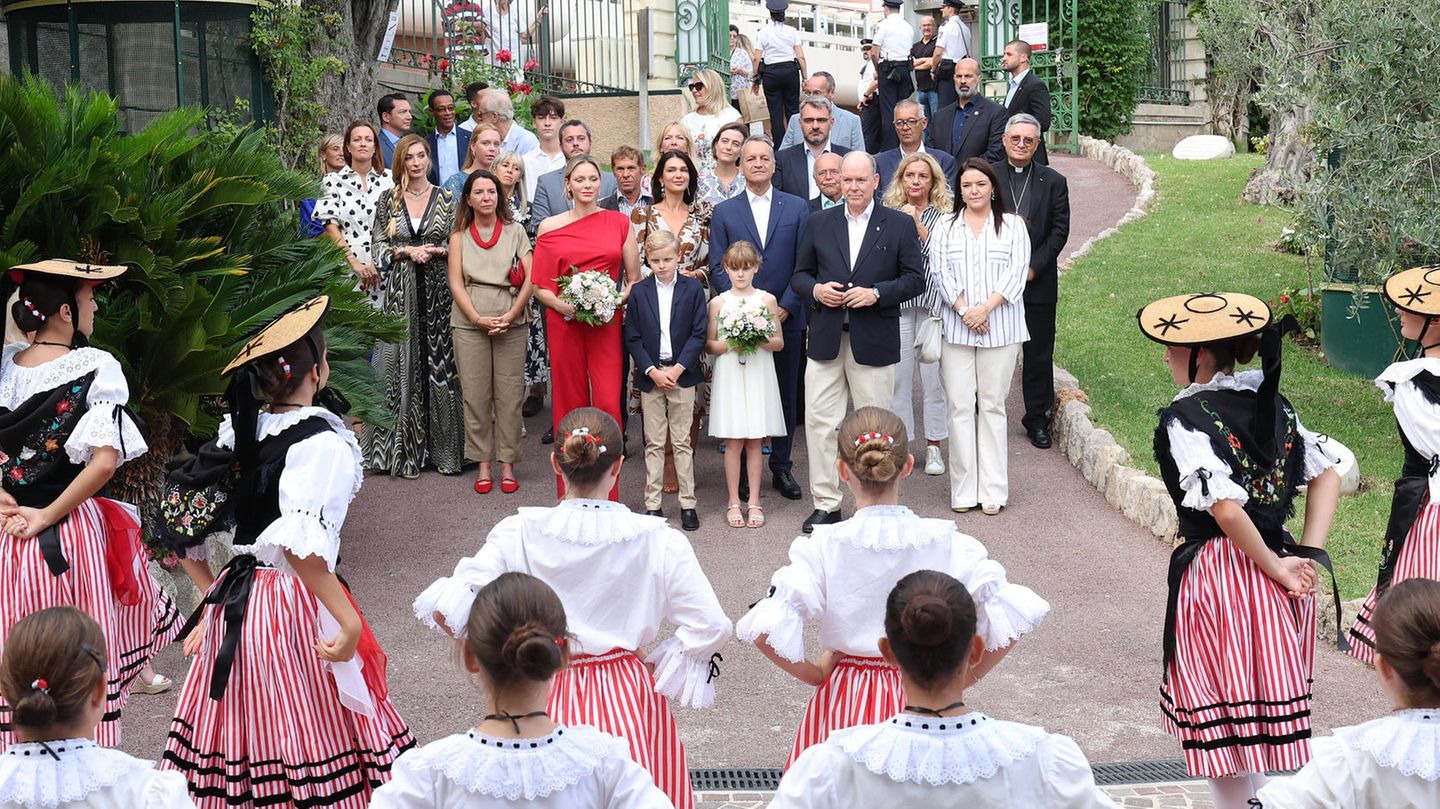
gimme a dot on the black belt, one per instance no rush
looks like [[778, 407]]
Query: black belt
[[895, 63], [50, 549], [1280, 542], [664, 363], [232, 592], [794, 62]]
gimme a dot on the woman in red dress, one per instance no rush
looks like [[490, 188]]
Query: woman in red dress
[[586, 361]]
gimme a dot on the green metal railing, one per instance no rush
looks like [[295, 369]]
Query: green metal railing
[[1163, 79], [702, 36], [1000, 22]]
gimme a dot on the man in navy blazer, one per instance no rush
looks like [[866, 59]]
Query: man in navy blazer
[[456, 140], [974, 126], [910, 128], [857, 264], [666, 347], [794, 165], [1026, 93], [784, 216]]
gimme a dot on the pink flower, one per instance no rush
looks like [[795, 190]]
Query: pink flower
[[504, 56], [531, 65], [424, 58]]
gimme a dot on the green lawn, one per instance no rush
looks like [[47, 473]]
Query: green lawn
[[1200, 235]]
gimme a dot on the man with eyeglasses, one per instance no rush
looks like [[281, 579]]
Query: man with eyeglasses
[[846, 129], [910, 127], [448, 142], [974, 126], [827, 177], [1041, 196], [795, 166]]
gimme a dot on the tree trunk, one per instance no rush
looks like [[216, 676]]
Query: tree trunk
[[1289, 163], [351, 95]]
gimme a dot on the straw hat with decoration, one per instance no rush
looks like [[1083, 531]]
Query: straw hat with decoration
[[59, 268]]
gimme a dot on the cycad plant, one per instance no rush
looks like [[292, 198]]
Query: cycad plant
[[205, 222]]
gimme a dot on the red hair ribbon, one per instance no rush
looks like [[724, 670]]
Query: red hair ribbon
[[559, 641], [863, 437], [41, 685]]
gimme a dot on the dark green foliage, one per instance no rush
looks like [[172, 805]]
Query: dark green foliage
[[1113, 51]]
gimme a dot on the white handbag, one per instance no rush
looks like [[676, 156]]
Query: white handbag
[[927, 340]]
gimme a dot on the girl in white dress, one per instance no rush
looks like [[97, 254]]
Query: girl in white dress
[[839, 576], [744, 391], [54, 676], [515, 642], [620, 576], [1394, 760], [935, 752]]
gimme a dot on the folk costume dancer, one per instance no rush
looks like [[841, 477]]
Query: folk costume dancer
[[65, 427], [286, 701]]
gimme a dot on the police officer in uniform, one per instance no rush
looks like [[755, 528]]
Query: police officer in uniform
[[893, 38], [951, 45], [782, 67]]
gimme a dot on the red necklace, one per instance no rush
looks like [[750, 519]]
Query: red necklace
[[494, 237]]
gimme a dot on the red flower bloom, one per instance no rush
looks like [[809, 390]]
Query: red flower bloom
[[1284, 298], [16, 473], [531, 65], [504, 57], [63, 406], [522, 88], [424, 58], [444, 64]]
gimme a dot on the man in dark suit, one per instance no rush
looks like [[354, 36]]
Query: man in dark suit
[[1041, 195], [454, 140], [795, 165], [395, 116], [628, 163], [665, 329], [550, 196], [973, 126], [856, 265], [910, 128], [774, 222], [1026, 92], [827, 179]]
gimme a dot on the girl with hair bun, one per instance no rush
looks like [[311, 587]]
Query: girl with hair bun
[[516, 641], [838, 576], [935, 751], [54, 676], [65, 428], [1394, 760], [286, 702], [621, 576], [1239, 644]]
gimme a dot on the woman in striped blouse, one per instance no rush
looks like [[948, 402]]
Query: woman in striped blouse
[[979, 257], [919, 188]]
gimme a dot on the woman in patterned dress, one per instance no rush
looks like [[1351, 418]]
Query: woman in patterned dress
[[347, 209], [422, 388], [720, 177]]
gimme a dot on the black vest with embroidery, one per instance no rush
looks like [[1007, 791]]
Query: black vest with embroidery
[[1411, 488], [34, 466], [1227, 418]]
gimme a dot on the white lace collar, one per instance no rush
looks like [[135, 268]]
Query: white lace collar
[[18, 382], [591, 522], [1245, 380], [516, 769], [1408, 741], [30, 776], [272, 424], [949, 750], [886, 528]]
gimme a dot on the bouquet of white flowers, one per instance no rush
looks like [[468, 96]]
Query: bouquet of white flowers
[[593, 294], [744, 325]]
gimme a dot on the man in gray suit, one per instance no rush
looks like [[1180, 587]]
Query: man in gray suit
[[846, 129], [550, 196]]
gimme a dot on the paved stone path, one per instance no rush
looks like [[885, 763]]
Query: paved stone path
[[1179, 794], [1092, 671]]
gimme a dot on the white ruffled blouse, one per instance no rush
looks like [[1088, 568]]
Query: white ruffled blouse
[[620, 575], [842, 574], [78, 772], [322, 475], [1419, 418], [98, 426], [1193, 452], [1393, 761], [962, 761], [575, 767]]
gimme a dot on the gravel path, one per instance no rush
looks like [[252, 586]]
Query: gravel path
[[1092, 671]]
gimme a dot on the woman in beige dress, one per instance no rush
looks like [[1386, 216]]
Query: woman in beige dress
[[490, 282]]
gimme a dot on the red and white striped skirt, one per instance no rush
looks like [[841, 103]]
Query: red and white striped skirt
[[1236, 694], [280, 735], [859, 691], [615, 692], [133, 634], [1419, 559]]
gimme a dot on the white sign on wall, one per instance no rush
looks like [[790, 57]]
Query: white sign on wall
[[389, 41], [1037, 34]]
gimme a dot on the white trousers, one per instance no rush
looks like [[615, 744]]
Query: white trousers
[[830, 386], [937, 419], [979, 466]]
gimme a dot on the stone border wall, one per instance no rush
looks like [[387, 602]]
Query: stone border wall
[[1101, 460]]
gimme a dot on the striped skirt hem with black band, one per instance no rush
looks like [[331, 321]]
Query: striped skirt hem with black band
[[1419, 558], [859, 691], [133, 633], [1237, 691], [279, 735], [615, 692]]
